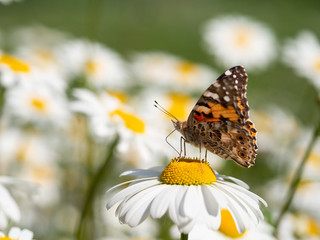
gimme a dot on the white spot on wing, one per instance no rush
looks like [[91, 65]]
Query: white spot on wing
[[234, 76], [226, 98], [216, 84], [236, 81], [228, 73], [211, 94]]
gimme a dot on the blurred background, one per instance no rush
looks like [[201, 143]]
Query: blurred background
[[77, 85]]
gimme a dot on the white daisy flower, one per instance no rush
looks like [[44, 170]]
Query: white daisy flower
[[40, 53], [191, 192], [303, 54], [13, 70], [100, 65], [108, 116], [36, 103], [299, 226], [228, 231], [167, 70], [235, 40], [9, 209]]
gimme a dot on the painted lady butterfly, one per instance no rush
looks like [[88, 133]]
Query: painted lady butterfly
[[220, 120]]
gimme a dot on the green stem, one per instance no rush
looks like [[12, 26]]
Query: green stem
[[297, 178], [98, 177], [184, 236]]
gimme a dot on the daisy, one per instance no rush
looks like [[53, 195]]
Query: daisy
[[162, 69], [101, 66], [227, 231], [191, 192], [299, 226], [303, 55], [40, 53], [7, 2], [36, 103], [108, 117], [16, 233], [13, 70], [235, 40]]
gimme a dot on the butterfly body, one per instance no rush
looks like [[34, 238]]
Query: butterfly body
[[220, 121]]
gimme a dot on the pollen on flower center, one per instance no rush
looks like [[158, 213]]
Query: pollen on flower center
[[14, 63], [187, 171]]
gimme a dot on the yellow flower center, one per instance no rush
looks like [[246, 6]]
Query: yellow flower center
[[186, 67], [179, 105], [242, 38], [187, 171], [317, 64], [39, 104], [6, 238], [119, 95], [228, 226], [14, 63], [91, 66], [131, 121], [313, 227]]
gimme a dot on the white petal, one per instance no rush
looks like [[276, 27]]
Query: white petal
[[153, 172], [14, 233], [26, 235], [211, 204], [130, 182], [8, 205], [161, 202], [137, 207], [174, 207], [3, 220], [130, 191], [190, 202]]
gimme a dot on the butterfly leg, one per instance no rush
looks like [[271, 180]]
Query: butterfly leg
[[182, 148], [205, 155]]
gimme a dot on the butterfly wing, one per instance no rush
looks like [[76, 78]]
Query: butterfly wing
[[221, 117]]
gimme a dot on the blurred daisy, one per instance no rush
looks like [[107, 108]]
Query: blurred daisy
[[191, 192], [303, 55], [170, 71], [16, 233], [13, 70], [101, 66], [9, 209], [299, 226], [235, 40], [36, 103], [228, 231], [108, 116]]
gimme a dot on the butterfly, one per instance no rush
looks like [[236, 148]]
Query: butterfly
[[219, 121]]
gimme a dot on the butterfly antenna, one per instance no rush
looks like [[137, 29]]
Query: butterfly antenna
[[162, 109]]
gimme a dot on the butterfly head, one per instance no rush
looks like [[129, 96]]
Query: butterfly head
[[180, 126]]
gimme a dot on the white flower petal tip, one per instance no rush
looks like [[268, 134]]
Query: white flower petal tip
[[187, 205]]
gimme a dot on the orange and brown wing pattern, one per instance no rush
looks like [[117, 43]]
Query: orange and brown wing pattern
[[225, 99], [221, 118]]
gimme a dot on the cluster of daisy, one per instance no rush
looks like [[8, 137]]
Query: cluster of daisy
[[74, 112]]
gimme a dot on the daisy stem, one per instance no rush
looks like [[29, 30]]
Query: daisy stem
[[81, 230], [184, 236], [296, 178]]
